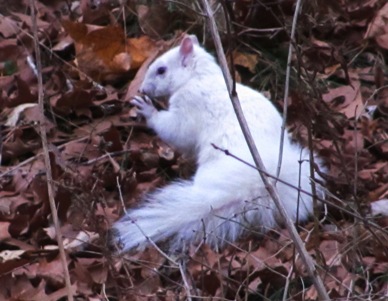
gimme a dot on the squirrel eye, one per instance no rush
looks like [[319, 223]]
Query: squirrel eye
[[161, 70]]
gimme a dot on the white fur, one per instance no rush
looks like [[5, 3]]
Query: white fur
[[225, 198]]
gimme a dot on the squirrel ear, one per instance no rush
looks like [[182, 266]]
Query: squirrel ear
[[194, 39], [186, 49]]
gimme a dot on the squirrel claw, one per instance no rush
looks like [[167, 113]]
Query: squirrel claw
[[144, 105]]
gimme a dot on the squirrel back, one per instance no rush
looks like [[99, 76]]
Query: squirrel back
[[225, 198]]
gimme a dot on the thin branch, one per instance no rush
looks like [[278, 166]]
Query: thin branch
[[107, 155], [142, 232], [46, 155], [287, 85], [309, 263], [287, 285], [188, 287], [151, 242], [339, 208]]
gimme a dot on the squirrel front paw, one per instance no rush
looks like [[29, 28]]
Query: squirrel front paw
[[144, 105]]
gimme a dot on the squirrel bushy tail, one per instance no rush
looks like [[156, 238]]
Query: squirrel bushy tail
[[210, 208], [190, 213], [182, 210]]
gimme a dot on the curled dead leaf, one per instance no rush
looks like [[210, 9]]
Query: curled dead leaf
[[14, 116], [104, 53], [379, 24], [247, 60]]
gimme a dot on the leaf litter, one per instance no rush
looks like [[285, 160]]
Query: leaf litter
[[104, 158]]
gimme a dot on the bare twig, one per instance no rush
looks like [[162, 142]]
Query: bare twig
[[142, 232], [188, 287], [60, 147], [107, 155], [339, 208], [120, 194], [43, 135], [287, 86], [151, 242], [309, 263], [287, 285]]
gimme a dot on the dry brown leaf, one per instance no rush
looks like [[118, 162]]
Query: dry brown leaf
[[382, 40], [104, 53], [22, 94], [99, 143], [14, 116], [379, 25], [8, 27], [346, 99], [247, 60]]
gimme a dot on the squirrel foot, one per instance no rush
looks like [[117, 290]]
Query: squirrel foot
[[144, 105]]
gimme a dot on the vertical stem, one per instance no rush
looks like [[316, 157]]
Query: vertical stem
[[309, 263], [43, 134], [287, 85]]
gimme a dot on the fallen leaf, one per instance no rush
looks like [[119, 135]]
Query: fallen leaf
[[104, 53], [346, 99], [14, 116], [247, 60], [378, 26]]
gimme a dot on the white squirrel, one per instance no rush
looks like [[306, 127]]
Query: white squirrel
[[225, 198]]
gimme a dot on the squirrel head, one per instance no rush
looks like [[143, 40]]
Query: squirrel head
[[172, 70]]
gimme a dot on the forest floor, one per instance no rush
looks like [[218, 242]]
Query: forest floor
[[103, 158]]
